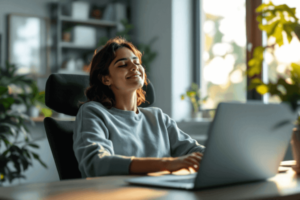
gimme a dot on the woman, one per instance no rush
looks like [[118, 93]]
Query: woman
[[112, 135]]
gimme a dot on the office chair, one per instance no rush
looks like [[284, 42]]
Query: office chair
[[63, 91]]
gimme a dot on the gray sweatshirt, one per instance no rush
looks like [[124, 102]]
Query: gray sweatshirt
[[105, 140]]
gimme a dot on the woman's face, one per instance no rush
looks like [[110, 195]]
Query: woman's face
[[125, 72]]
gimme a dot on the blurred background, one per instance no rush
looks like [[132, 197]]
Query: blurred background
[[188, 45]]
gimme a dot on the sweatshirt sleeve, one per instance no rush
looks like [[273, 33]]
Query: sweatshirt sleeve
[[180, 142], [93, 150]]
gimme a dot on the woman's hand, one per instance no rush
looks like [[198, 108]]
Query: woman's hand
[[148, 165], [183, 162]]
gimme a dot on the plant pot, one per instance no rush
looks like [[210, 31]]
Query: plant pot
[[295, 143], [34, 111], [196, 116], [66, 37]]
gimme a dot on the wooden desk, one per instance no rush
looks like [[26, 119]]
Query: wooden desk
[[282, 186]]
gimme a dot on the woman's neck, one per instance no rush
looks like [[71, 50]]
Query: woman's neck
[[126, 101]]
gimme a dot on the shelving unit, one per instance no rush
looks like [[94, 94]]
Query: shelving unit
[[90, 22], [65, 50], [69, 45]]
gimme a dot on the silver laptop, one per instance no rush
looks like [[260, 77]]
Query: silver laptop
[[246, 142]]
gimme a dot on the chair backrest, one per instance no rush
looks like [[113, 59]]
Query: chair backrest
[[63, 92]]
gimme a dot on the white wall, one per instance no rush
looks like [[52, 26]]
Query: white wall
[[170, 21], [154, 18], [182, 56]]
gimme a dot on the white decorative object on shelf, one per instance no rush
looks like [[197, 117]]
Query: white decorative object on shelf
[[34, 111], [80, 10], [71, 65], [108, 13], [79, 64], [85, 36], [120, 14]]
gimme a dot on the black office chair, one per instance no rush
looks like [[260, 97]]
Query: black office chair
[[63, 91]]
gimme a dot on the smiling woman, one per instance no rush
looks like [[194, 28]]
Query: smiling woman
[[112, 135], [110, 68]]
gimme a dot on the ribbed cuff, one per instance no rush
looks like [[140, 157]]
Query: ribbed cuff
[[120, 165]]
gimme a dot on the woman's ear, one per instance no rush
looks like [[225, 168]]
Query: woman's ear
[[106, 81]]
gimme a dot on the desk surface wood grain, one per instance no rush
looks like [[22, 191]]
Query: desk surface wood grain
[[282, 186]]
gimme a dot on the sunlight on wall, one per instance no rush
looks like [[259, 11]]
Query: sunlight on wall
[[223, 75]]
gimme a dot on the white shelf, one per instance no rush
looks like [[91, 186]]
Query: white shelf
[[70, 45], [65, 71], [93, 22]]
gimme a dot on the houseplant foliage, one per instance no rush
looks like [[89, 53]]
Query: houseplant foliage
[[194, 96], [148, 54], [16, 146], [281, 23]]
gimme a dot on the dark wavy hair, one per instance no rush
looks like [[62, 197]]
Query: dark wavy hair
[[101, 60]]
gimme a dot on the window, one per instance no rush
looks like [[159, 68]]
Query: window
[[224, 50], [223, 71]]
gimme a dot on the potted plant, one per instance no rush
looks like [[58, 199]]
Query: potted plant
[[37, 100], [281, 24], [67, 34], [16, 153], [194, 96]]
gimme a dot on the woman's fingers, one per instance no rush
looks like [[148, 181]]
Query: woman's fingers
[[194, 166], [198, 153], [197, 157], [193, 160]]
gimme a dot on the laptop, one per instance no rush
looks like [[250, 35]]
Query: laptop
[[246, 142]]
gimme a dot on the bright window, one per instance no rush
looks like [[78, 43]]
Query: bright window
[[224, 53]]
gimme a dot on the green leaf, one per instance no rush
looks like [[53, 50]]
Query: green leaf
[[3, 90], [194, 87], [7, 102], [46, 112], [259, 18], [182, 97], [259, 52], [296, 69], [11, 127], [255, 70], [190, 94], [34, 145], [269, 28], [297, 31], [263, 7], [262, 89], [37, 157], [254, 83]]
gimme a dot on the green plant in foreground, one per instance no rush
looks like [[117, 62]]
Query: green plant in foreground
[[194, 96], [16, 153], [281, 22]]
